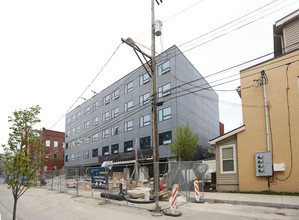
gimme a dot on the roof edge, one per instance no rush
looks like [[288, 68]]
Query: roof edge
[[226, 135]]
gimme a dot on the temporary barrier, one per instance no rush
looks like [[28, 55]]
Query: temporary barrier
[[196, 189], [124, 184], [115, 182], [173, 201]]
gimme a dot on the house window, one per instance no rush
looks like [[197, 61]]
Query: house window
[[95, 137], [144, 99], [74, 118], [129, 87], [95, 121], [165, 114], [78, 115], [95, 152], [54, 156], [114, 149], [143, 79], [115, 94], [55, 143], [67, 158], [105, 150], [78, 128], [68, 121], [105, 133], [128, 126], [163, 68], [106, 100], [164, 90], [145, 142], [96, 105], [106, 116], [228, 159], [86, 125], [73, 131], [145, 120], [87, 110], [86, 154], [114, 130], [115, 112], [48, 142], [128, 146], [129, 106], [165, 138]]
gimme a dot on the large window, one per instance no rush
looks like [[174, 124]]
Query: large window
[[95, 137], [78, 115], [56, 144], [128, 126], [105, 150], [114, 130], [96, 105], [67, 158], [143, 79], [144, 99], [115, 94], [128, 146], [86, 125], [74, 118], [114, 149], [145, 142], [95, 152], [164, 90], [129, 106], [87, 110], [145, 120], [106, 99], [48, 143], [106, 116], [165, 138], [95, 121], [163, 68], [165, 114], [105, 133], [115, 112], [128, 87], [228, 159]]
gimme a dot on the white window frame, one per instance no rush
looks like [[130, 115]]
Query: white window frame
[[86, 125], [106, 100], [128, 87], [127, 127], [234, 158], [143, 79], [115, 94], [78, 128], [95, 121], [73, 131], [105, 133], [68, 121], [129, 106], [144, 99], [162, 69], [164, 91], [106, 116], [74, 118], [55, 144], [96, 105], [78, 115], [163, 116], [114, 130], [86, 154], [95, 137], [115, 112], [87, 110], [48, 143], [144, 122]]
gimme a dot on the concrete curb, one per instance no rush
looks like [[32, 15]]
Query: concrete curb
[[250, 203]]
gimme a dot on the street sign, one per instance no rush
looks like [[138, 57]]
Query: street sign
[[99, 178]]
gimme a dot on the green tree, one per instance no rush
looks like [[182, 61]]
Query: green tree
[[22, 155], [185, 143]]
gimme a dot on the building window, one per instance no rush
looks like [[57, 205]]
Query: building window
[[67, 158], [87, 110], [95, 121], [95, 137], [163, 68], [96, 105], [54, 156], [129, 87], [106, 100], [63, 145], [86, 125], [129, 106], [144, 99], [47, 156], [68, 133], [105, 150], [114, 149], [78, 115], [128, 146], [86, 154], [115, 112], [73, 131], [48, 142], [73, 156], [74, 118], [56, 144], [95, 152], [78, 128], [228, 159], [68, 121], [145, 120], [145, 142], [105, 133], [165, 138], [114, 130], [143, 79], [77, 156], [115, 94], [165, 114], [106, 116], [164, 90], [128, 126]]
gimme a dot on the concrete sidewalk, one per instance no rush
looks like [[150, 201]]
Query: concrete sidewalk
[[276, 201]]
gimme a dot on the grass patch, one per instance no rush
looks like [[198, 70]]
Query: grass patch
[[266, 193]]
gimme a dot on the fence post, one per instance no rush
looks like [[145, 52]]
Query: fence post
[[52, 180]]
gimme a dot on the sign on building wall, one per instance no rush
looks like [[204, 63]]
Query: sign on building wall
[[99, 178]]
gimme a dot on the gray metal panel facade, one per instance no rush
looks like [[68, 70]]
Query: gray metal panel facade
[[199, 109]]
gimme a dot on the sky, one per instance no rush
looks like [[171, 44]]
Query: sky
[[53, 51]]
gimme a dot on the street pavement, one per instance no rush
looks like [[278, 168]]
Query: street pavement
[[40, 203]]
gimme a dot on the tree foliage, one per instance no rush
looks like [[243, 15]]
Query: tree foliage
[[185, 143], [22, 155]]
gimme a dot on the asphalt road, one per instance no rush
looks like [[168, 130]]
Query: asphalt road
[[44, 204]]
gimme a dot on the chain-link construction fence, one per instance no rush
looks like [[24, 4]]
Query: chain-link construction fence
[[129, 184]]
